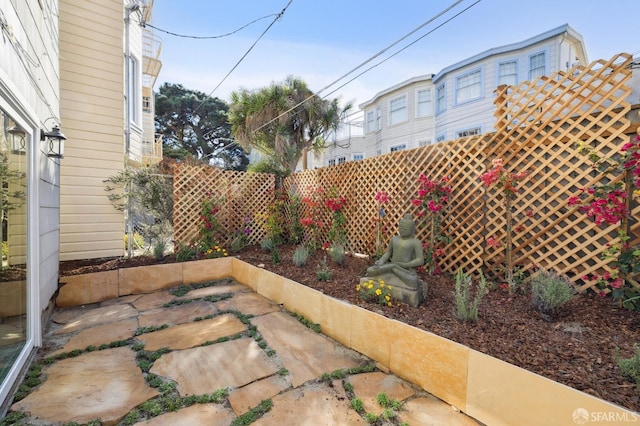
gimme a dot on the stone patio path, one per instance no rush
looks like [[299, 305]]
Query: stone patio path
[[221, 337]]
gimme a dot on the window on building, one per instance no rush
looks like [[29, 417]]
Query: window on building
[[342, 160], [440, 138], [146, 104], [537, 66], [469, 87], [378, 118], [357, 156], [134, 90], [424, 142], [398, 110], [441, 102], [371, 121], [469, 132], [332, 162], [423, 101], [399, 147], [508, 73]]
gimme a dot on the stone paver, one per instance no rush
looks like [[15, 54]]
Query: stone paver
[[196, 415], [153, 300], [432, 411], [209, 368], [193, 334], [247, 397], [215, 291], [306, 354], [253, 304], [176, 314], [105, 384], [101, 334], [312, 405], [97, 316], [367, 386]]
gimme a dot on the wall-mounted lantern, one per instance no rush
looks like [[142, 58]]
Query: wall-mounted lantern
[[18, 139], [55, 142]]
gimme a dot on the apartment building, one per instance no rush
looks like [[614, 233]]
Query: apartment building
[[457, 101]]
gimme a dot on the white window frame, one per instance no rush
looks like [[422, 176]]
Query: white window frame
[[537, 70], [341, 159], [424, 107], [398, 147], [357, 156], [441, 98], [370, 120], [440, 138], [511, 77], [378, 118], [135, 91], [469, 86], [399, 114], [332, 162], [424, 142]]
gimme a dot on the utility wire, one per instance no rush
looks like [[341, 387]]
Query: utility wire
[[209, 37], [278, 16], [430, 20], [403, 49]]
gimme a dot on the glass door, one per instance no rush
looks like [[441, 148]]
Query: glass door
[[13, 235]]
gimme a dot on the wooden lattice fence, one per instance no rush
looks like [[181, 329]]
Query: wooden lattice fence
[[246, 196], [538, 124]]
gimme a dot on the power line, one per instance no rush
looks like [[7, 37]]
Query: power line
[[430, 20], [209, 37], [278, 16]]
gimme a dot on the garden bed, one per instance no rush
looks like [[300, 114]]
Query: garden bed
[[578, 349]]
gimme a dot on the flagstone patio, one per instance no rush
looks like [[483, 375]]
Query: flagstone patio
[[244, 344]]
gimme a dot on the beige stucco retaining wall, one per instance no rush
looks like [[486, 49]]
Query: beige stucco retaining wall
[[487, 389]]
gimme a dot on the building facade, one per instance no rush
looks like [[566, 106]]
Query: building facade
[[108, 66], [457, 101], [29, 194]]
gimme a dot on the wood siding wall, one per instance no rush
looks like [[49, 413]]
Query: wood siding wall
[[91, 85]]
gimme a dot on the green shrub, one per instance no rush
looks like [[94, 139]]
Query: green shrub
[[159, 248], [337, 253], [467, 309], [630, 367], [550, 291], [300, 255], [267, 244], [324, 273]]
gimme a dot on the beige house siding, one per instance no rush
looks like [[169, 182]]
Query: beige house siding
[[92, 108]]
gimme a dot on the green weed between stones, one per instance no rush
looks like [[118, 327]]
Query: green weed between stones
[[253, 414], [306, 322]]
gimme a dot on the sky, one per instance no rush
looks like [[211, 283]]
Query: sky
[[323, 42]]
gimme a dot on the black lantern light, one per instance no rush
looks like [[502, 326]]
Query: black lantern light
[[55, 142]]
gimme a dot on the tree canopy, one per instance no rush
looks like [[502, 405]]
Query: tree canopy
[[284, 120], [196, 125]]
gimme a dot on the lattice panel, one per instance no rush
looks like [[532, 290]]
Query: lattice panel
[[540, 123], [246, 195]]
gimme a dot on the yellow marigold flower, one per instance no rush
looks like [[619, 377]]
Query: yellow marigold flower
[[370, 286], [389, 304], [387, 297], [378, 292], [381, 282], [358, 287]]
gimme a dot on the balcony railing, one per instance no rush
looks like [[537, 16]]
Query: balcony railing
[[152, 151]]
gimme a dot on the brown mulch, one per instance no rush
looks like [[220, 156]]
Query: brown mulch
[[578, 348]]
